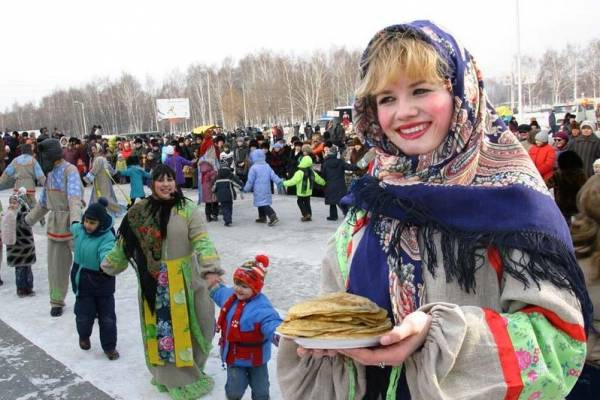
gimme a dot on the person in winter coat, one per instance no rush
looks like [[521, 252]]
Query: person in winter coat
[[227, 157], [164, 236], [294, 158], [317, 148], [208, 165], [224, 189], [61, 198], [100, 177], [586, 240], [566, 182], [304, 180], [94, 290], [543, 156], [20, 245], [587, 146], [355, 153], [137, 176], [333, 170], [561, 140], [207, 176], [176, 163], [240, 158], [247, 323], [277, 159], [455, 235], [24, 171], [259, 181]]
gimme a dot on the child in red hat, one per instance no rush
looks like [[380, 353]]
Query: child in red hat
[[247, 323]]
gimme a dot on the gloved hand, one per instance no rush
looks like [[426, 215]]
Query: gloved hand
[[280, 188]]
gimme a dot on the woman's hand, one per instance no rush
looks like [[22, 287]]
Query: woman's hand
[[397, 345], [212, 279]]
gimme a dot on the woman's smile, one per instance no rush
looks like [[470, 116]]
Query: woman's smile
[[413, 131]]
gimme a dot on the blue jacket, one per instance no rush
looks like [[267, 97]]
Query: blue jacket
[[89, 251], [136, 176], [258, 310], [259, 179]]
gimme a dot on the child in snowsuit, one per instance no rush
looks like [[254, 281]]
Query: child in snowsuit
[[247, 323], [259, 182], [18, 238], [94, 289], [136, 175], [304, 180], [224, 189]]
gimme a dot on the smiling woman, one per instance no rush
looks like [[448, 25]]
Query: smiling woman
[[414, 114], [455, 235], [176, 313]]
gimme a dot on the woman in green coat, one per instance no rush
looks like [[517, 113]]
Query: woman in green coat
[[177, 316]]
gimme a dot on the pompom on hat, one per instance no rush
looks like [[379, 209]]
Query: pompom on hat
[[252, 273]]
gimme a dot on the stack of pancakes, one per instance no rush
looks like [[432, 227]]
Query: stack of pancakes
[[338, 315]]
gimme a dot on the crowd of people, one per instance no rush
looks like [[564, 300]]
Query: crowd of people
[[450, 225]]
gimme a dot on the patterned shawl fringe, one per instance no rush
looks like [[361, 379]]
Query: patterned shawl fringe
[[135, 254], [542, 257]]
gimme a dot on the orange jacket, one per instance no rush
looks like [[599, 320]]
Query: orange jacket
[[544, 158]]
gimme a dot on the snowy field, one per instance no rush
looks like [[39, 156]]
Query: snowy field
[[294, 248]]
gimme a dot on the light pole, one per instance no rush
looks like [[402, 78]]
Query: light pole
[[82, 115], [520, 87]]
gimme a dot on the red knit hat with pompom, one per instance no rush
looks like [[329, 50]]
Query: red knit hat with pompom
[[252, 273]]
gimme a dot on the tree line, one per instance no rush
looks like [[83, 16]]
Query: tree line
[[268, 88]]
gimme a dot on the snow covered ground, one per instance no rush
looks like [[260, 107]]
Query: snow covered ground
[[295, 250]]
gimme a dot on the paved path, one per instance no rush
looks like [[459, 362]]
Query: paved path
[[29, 373]]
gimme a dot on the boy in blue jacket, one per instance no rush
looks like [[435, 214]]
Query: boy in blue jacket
[[137, 175], [94, 290], [247, 323]]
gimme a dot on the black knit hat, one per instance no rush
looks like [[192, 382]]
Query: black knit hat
[[49, 151], [97, 212]]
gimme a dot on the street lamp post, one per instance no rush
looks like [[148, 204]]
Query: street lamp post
[[520, 87], [82, 115]]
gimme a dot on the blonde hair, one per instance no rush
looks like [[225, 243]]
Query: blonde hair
[[392, 53]]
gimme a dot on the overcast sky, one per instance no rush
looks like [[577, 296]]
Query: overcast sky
[[61, 43]]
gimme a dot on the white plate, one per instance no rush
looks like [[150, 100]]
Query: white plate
[[331, 343]]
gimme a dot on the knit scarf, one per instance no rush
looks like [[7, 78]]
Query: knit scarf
[[234, 330], [478, 189], [308, 179]]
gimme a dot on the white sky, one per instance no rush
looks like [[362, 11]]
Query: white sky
[[61, 43]]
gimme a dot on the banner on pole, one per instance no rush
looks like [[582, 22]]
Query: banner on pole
[[172, 108]]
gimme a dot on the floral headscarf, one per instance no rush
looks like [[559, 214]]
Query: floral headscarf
[[475, 126], [492, 195]]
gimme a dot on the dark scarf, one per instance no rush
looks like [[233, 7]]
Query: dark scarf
[[308, 179], [142, 230]]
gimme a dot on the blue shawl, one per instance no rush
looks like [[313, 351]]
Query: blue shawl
[[478, 189]]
